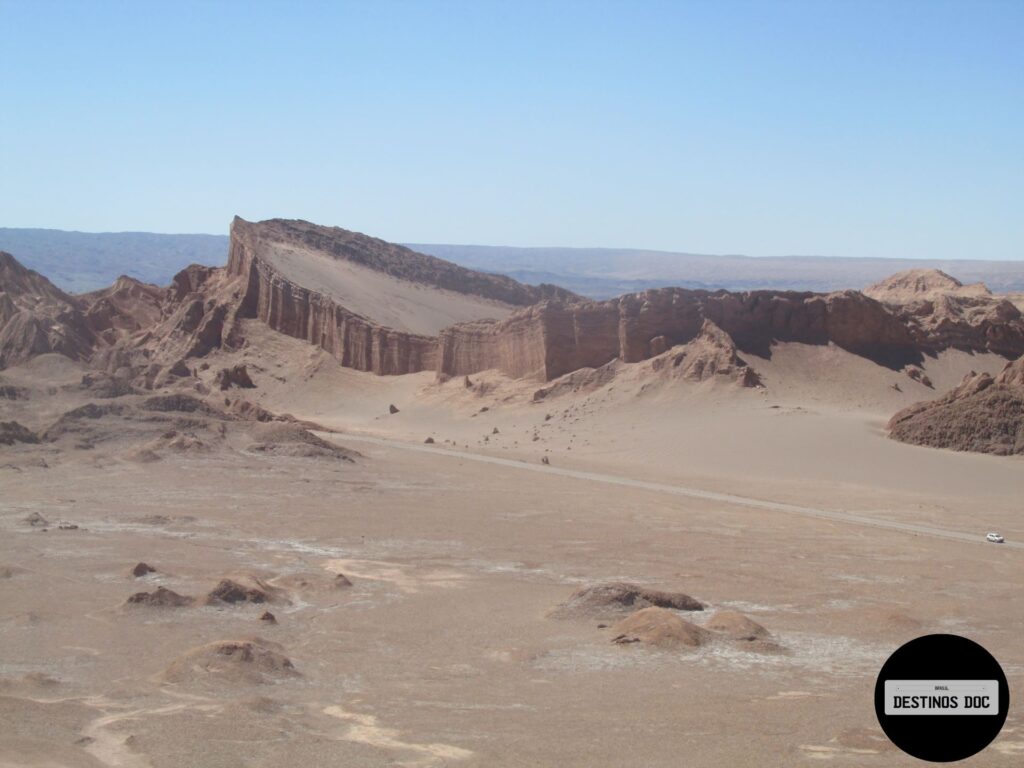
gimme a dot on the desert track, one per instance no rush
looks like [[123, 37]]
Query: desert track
[[851, 518]]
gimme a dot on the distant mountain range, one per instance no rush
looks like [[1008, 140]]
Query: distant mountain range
[[84, 261], [607, 272]]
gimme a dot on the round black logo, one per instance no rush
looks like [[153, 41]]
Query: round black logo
[[941, 698]]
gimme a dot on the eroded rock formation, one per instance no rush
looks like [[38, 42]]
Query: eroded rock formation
[[984, 414]]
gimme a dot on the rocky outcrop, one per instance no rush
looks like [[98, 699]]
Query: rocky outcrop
[[940, 312], [711, 355], [984, 414], [915, 284], [36, 317], [125, 307]]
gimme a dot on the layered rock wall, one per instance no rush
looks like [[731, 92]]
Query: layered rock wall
[[307, 314], [554, 338]]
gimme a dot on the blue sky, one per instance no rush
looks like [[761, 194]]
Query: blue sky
[[765, 128]]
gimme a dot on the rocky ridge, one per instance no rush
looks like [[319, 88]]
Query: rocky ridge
[[149, 337]]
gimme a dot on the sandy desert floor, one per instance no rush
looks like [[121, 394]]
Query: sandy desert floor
[[442, 652]]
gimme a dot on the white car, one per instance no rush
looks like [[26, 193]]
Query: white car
[[995, 538]]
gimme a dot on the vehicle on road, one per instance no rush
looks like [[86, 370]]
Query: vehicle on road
[[995, 538]]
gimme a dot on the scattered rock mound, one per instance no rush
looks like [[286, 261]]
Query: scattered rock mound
[[711, 355], [231, 592], [161, 597], [251, 661], [616, 599], [284, 439], [237, 376], [983, 414], [735, 625], [12, 432], [661, 628]]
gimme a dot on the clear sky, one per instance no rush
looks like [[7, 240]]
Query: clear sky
[[765, 128]]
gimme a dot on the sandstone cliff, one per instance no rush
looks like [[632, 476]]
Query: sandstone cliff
[[302, 312], [555, 338]]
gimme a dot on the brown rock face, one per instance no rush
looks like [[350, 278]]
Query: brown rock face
[[983, 414]]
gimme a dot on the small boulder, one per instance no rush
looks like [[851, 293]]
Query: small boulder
[[238, 376], [231, 592], [392, 409], [142, 569], [268, 617], [161, 597], [429, 441]]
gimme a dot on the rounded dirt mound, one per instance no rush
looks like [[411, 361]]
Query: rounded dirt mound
[[660, 628], [736, 625], [617, 599], [251, 661]]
